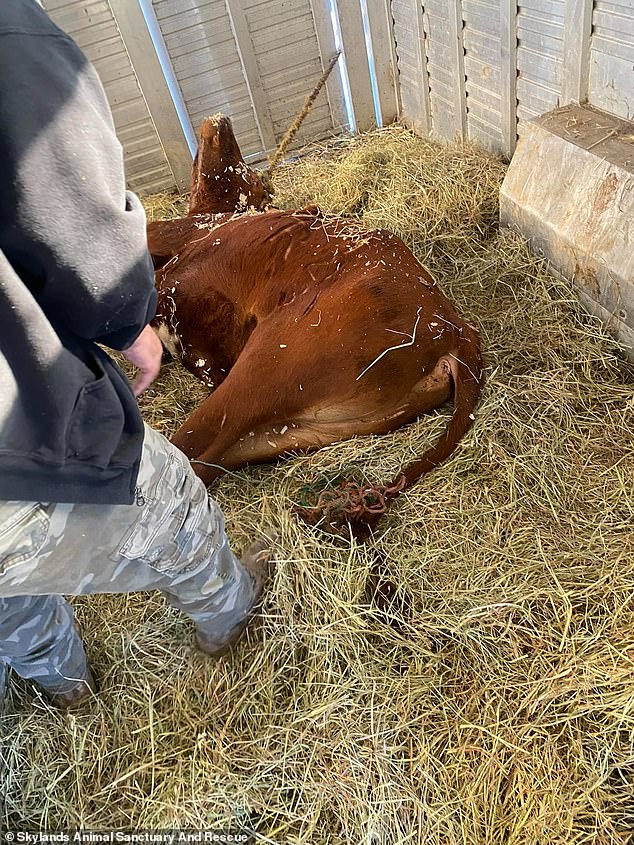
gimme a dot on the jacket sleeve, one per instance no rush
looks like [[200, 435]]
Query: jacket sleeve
[[75, 235]]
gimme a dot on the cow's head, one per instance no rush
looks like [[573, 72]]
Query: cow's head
[[221, 180]]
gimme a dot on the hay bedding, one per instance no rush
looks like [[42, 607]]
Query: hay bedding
[[468, 677]]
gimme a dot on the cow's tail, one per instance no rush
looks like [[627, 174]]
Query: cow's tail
[[467, 373], [357, 509]]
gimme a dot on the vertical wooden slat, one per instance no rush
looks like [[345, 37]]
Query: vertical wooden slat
[[382, 38], [577, 35], [355, 54], [147, 67], [456, 59], [327, 48], [508, 72], [240, 28]]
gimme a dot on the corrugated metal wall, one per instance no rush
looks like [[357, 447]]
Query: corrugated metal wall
[[470, 68], [612, 57], [167, 64], [540, 45], [483, 71], [287, 53], [412, 63], [92, 25], [255, 61], [203, 51], [482, 68], [444, 71]]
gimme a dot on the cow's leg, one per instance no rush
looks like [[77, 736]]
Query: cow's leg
[[261, 391], [251, 418], [314, 426], [262, 439], [248, 400]]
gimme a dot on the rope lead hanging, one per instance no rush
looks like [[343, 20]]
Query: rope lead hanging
[[267, 175]]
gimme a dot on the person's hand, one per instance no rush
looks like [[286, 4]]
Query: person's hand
[[146, 354]]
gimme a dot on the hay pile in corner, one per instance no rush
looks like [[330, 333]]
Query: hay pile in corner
[[484, 693]]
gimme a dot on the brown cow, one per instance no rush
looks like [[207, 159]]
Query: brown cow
[[221, 180], [311, 330]]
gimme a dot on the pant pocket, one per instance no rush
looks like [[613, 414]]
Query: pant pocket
[[97, 423], [176, 530], [24, 530]]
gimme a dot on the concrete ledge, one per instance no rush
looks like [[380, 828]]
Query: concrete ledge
[[569, 191]]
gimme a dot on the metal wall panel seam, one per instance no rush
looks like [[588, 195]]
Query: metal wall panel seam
[[508, 73], [456, 28]]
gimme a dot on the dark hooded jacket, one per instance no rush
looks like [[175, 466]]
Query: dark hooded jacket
[[74, 272]]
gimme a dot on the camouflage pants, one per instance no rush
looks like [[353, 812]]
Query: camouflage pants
[[172, 540]]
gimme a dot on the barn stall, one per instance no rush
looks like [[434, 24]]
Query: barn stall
[[466, 676]]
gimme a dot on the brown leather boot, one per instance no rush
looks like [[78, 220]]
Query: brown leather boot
[[76, 696], [256, 560]]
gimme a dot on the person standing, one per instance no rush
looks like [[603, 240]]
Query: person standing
[[91, 499]]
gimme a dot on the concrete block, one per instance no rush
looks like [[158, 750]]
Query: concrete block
[[569, 191]]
